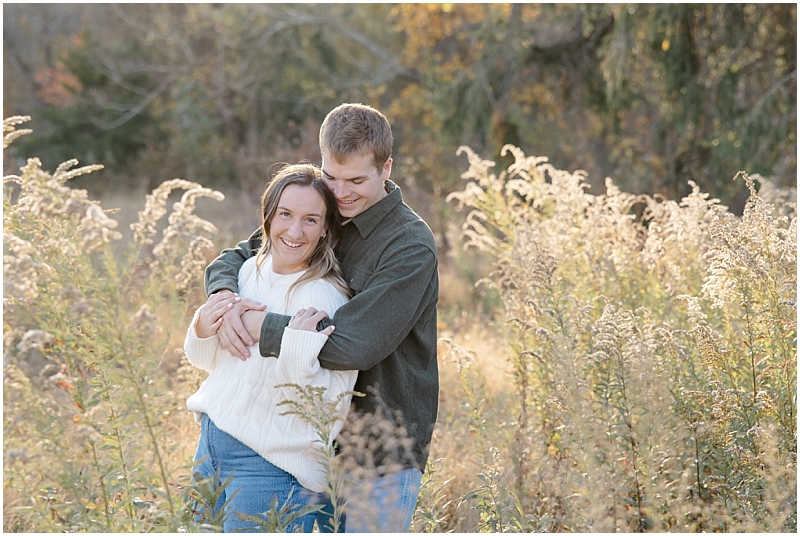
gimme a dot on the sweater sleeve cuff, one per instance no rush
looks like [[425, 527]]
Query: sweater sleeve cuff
[[298, 360], [201, 352], [269, 345], [300, 342]]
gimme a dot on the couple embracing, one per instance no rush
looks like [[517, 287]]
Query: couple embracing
[[337, 289]]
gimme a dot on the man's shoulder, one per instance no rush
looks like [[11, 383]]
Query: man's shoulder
[[403, 226]]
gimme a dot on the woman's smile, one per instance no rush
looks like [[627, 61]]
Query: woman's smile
[[296, 228]]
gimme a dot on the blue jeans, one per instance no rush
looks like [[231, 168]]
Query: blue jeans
[[257, 480], [384, 504]]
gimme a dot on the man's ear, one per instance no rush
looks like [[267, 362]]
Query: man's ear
[[387, 170]]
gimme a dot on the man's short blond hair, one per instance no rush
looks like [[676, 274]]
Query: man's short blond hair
[[353, 130]]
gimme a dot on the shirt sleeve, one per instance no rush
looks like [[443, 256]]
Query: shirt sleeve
[[202, 353], [373, 323], [223, 272]]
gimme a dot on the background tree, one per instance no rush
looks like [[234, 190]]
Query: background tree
[[653, 95], [657, 94], [235, 88]]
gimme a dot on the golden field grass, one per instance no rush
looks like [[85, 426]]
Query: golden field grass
[[625, 363]]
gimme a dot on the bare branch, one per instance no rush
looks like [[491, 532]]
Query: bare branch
[[139, 106], [23, 65], [171, 37], [130, 20], [113, 73], [392, 67], [751, 116]]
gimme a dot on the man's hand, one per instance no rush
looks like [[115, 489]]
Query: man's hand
[[307, 319], [233, 335], [252, 321]]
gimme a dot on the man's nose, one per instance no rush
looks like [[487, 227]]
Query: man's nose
[[340, 189]]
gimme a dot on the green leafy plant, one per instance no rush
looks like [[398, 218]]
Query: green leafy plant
[[279, 517], [430, 514], [202, 499], [310, 404]]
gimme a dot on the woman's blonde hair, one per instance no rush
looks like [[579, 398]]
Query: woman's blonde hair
[[322, 264]]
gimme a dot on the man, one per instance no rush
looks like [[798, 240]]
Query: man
[[388, 330]]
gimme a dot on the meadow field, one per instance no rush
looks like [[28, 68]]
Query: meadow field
[[609, 362]]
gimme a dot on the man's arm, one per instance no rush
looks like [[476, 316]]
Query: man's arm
[[223, 272], [374, 323]]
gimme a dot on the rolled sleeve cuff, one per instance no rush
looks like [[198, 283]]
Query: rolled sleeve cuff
[[269, 345], [222, 284]]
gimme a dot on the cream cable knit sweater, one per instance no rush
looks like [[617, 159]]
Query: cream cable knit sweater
[[241, 397]]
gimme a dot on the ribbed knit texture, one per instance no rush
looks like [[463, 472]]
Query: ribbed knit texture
[[241, 397]]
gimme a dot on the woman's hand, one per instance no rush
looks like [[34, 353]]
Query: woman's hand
[[307, 319], [209, 317], [237, 336]]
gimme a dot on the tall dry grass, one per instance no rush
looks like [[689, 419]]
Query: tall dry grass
[[92, 422], [653, 352], [641, 376]]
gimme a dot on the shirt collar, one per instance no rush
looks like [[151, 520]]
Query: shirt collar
[[367, 221]]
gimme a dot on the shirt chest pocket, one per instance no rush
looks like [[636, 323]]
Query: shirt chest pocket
[[356, 277]]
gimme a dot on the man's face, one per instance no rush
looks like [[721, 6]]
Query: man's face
[[356, 183]]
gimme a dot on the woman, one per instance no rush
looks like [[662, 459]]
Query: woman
[[242, 430]]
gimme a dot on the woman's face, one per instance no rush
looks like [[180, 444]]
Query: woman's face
[[296, 228]]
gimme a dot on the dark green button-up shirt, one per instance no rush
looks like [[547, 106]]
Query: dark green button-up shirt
[[387, 331]]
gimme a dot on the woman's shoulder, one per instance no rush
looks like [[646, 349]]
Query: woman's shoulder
[[320, 294], [248, 277], [249, 268]]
